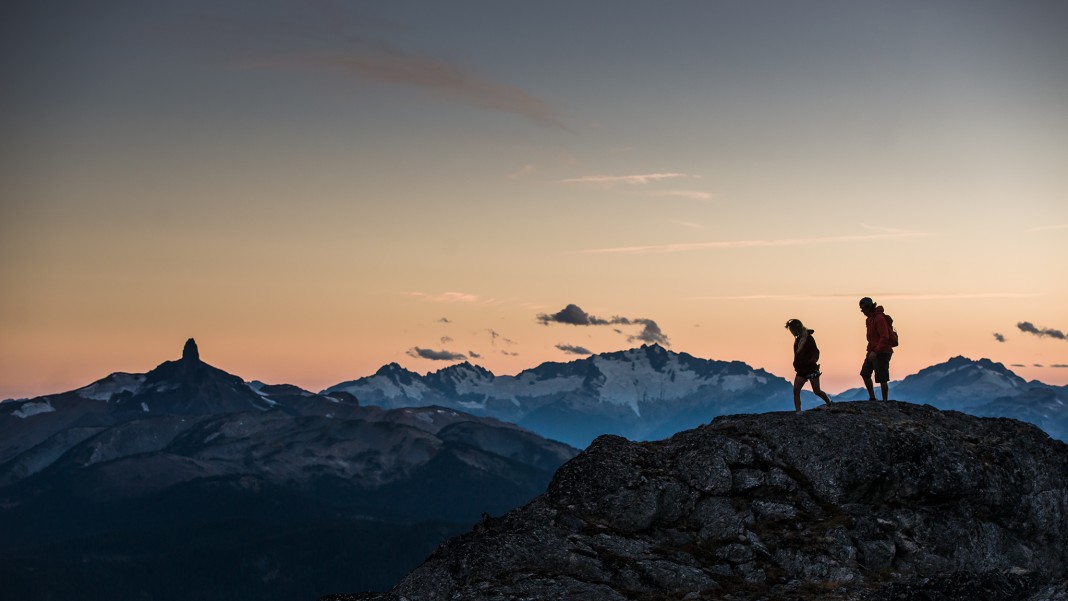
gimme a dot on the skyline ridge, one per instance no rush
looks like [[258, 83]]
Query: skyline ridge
[[191, 353]]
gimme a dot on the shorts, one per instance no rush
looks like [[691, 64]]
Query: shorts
[[811, 375], [880, 365]]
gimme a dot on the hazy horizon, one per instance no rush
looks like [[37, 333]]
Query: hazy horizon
[[315, 189]]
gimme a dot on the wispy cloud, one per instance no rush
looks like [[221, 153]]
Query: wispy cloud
[[575, 316], [448, 297], [730, 244], [630, 180], [432, 355], [392, 66], [999, 337], [877, 297], [1059, 365], [574, 350], [495, 336], [1028, 327]]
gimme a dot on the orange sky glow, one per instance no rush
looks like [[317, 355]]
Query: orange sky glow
[[316, 198]]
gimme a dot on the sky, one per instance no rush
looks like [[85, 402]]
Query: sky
[[313, 189]]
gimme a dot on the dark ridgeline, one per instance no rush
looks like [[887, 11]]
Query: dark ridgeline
[[866, 501], [188, 483]]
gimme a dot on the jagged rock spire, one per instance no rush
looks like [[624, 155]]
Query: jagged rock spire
[[190, 354]]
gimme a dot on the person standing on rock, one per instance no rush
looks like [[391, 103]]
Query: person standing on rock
[[806, 362], [879, 350]]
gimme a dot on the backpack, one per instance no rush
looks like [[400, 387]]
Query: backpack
[[890, 326]]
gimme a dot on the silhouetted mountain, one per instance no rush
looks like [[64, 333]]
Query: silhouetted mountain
[[982, 388], [868, 501], [642, 393], [150, 485]]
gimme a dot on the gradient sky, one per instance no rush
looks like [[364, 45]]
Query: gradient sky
[[314, 189]]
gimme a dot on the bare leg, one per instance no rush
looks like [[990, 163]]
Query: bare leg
[[816, 389], [885, 390], [871, 388], [799, 383]]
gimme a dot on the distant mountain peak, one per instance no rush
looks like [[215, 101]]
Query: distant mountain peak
[[962, 361], [191, 354], [393, 368], [466, 366]]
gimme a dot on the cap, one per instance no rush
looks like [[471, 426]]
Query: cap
[[866, 303]]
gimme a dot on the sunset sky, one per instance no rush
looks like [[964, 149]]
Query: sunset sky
[[313, 189]]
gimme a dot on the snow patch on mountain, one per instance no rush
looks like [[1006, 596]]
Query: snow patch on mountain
[[116, 383], [33, 408], [388, 388], [527, 384], [739, 382]]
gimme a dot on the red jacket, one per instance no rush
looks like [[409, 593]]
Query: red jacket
[[878, 332]]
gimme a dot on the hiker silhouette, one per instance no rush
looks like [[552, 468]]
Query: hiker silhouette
[[806, 362], [880, 348]]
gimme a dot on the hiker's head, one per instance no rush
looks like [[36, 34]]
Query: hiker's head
[[867, 305], [795, 326]]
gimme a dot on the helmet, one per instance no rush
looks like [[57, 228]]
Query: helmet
[[867, 303]]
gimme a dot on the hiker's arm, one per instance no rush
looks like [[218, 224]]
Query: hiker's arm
[[882, 330]]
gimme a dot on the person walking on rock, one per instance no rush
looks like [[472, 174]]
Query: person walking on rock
[[880, 349], [806, 362]]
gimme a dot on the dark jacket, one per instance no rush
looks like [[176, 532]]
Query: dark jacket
[[806, 354], [878, 332]]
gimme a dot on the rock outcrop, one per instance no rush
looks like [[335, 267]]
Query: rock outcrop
[[856, 501], [190, 352]]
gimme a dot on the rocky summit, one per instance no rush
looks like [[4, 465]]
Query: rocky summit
[[865, 501]]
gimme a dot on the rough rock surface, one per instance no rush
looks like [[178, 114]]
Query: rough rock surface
[[872, 501]]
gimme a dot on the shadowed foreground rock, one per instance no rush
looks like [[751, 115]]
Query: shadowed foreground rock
[[862, 501]]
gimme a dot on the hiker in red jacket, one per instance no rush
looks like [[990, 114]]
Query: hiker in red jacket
[[806, 366], [879, 350]]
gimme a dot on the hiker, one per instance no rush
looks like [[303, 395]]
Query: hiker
[[879, 350], [806, 366]]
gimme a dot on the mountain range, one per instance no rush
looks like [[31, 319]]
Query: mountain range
[[649, 393], [187, 482], [642, 393], [983, 388]]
